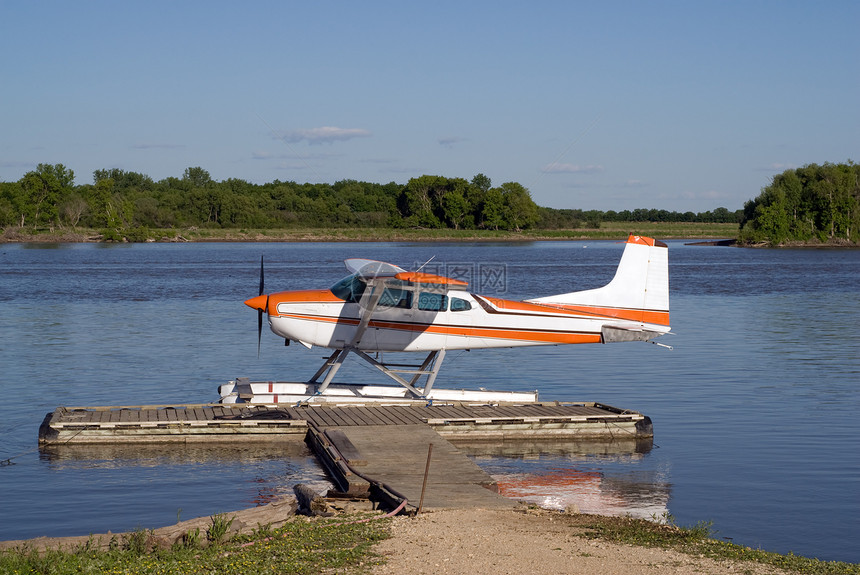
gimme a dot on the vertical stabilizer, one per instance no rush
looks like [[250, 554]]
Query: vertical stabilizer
[[639, 292]]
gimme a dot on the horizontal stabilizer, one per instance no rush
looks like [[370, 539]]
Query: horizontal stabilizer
[[613, 334]]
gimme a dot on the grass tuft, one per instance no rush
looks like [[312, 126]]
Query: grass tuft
[[698, 541], [301, 547]]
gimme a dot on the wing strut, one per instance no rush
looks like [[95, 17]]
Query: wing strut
[[430, 367], [369, 302]]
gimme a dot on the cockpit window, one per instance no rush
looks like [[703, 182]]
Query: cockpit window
[[349, 289], [396, 294], [432, 301], [394, 297]]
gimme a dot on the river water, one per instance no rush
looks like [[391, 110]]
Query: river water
[[755, 409]]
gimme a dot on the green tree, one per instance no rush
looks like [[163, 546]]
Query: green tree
[[482, 183], [814, 201], [73, 208], [15, 207], [197, 177], [455, 207], [493, 209], [104, 208], [123, 180], [520, 211], [44, 189], [420, 198]]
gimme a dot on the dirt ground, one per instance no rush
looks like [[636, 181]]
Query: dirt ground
[[524, 540], [500, 542]]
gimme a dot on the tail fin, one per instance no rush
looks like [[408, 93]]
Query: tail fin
[[638, 294]]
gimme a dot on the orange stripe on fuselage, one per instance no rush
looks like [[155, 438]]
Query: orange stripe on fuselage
[[640, 315], [537, 336], [301, 296], [310, 295]]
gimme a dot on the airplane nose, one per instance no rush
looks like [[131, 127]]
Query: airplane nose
[[259, 303]]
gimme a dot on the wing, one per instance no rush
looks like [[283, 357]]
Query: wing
[[366, 269], [422, 278]]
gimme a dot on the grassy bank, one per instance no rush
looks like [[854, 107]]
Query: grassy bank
[[302, 546], [343, 545], [697, 541], [607, 231]]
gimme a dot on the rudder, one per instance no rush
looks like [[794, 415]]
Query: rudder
[[639, 291]]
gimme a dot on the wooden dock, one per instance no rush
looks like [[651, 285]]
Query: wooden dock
[[371, 450], [243, 423]]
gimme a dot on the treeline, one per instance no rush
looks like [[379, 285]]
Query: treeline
[[812, 203], [128, 204], [552, 218]]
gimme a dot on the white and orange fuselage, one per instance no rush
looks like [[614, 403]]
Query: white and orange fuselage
[[422, 312]]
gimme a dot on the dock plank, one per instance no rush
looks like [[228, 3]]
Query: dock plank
[[319, 416], [348, 415], [392, 416], [414, 415], [397, 456], [361, 415], [401, 415], [372, 414]]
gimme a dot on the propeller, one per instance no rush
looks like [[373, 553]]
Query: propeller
[[260, 311], [261, 304]]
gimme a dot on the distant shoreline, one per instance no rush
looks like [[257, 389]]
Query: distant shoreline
[[609, 231], [697, 234]]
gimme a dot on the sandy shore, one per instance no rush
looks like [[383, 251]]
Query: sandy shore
[[528, 541]]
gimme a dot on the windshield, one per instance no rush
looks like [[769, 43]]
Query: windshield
[[349, 288]]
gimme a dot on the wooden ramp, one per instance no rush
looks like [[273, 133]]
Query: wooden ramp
[[388, 464]]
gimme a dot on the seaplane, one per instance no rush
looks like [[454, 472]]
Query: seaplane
[[380, 308]]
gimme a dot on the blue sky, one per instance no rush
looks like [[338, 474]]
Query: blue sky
[[593, 105]]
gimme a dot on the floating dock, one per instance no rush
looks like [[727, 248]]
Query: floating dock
[[225, 423], [389, 453]]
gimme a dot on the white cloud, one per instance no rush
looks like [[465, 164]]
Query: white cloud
[[556, 168], [712, 195], [271, 156], [323, 135], [263, 155], [145, 146], [635, 184], [450, 141]]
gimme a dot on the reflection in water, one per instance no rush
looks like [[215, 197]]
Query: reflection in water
[[78, 456], [248, 474], [604, 477], [562, 446], [591, 476]]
